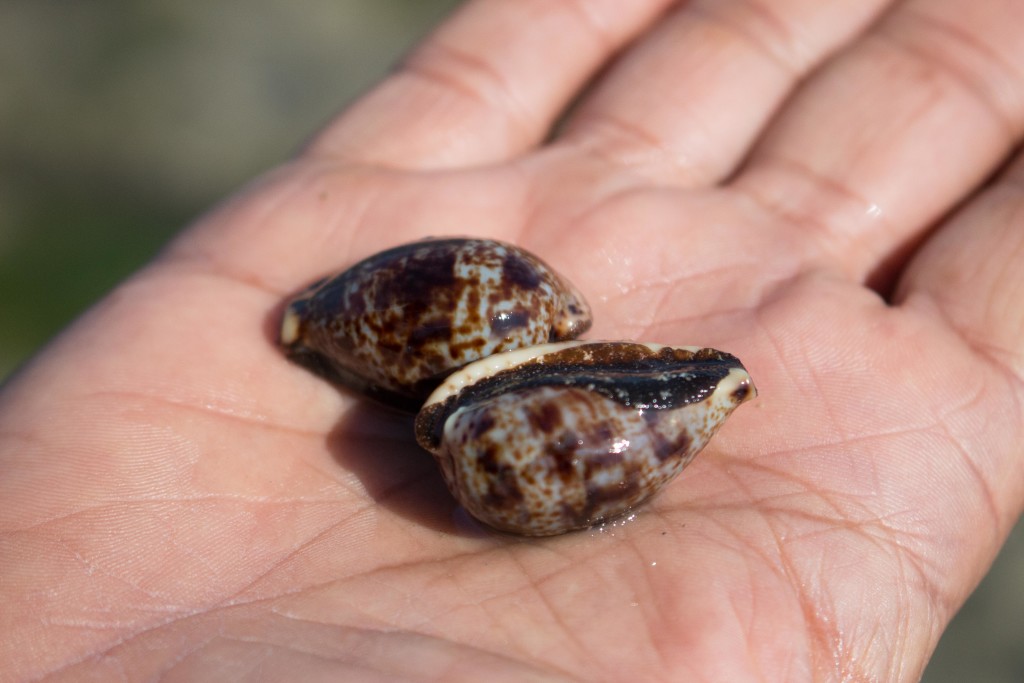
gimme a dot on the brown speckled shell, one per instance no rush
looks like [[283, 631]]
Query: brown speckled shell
[[394, 325], [576, 433]]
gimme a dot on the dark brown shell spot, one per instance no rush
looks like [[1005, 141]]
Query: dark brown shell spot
[[395, 324]]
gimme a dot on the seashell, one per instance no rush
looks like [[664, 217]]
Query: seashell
[[557, 437], [395, 324]]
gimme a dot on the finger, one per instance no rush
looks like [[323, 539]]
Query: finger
[[969, 276], [311, 217], [972, 271], [686, 103], [487, 84], [892, 134]]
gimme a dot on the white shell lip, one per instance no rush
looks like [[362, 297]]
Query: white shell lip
[[731, 383], [290, 324], [492, 365]]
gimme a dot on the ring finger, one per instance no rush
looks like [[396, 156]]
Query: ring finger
[[685, 103]]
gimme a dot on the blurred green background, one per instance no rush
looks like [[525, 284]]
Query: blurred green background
[[121, 121]]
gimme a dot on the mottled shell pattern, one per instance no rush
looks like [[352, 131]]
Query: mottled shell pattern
[[398, 322], [534, 433], [564, 436]]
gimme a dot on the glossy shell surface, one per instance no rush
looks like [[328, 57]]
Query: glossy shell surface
[[558, 437], [394, 325]]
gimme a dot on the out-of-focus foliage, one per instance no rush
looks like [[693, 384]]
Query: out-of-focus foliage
[[121, 121]]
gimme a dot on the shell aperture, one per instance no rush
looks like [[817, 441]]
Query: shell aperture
[[564, 436]]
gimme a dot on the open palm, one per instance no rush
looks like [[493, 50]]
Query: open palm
[[180, 501]]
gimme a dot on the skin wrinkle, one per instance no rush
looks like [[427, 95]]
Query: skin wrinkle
[[353, 205], [682, 281], [663, 302], [188, 613], [899, 554], [187, 265], [661, 609], [593, 207], [777, 346], [646, 148], [652, 330], [966, 336], [210, 409], [593, 27], [906, 616], [827, 644], [104, 651], [332, 179], [819, 446], [935, 53], [985, 489], [832, 415], [434, 623], [783, 567], [142, 502], [538, 585], [651, 603], [354, 211], [747, 622], [495, 90], [185, 653], [677, 280], [950, 74], [934, 599], [580, 654], [450, 559], [759, 297], [806, 488], [369, 574], [627, 134], [91, 568], [1000, 356], [348, 632], [497, 618], [1003, 370], [843, 519], [288, 185], [437, 620], [775, 41], [186, 247], [254, 657], [885, 541], [171, 539], [902, 622], [781, 560], [188, 652], [454, 71], [292, 555], [830, 239]]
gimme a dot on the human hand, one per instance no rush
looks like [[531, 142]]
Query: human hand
[[181, 501]]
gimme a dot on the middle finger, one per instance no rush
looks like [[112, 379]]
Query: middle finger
[[894, 132], [685, 103]]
